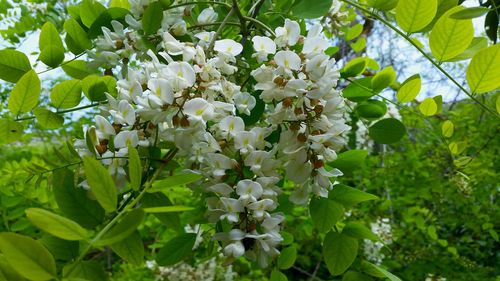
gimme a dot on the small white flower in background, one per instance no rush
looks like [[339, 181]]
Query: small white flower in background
[[263, 46], [287, 35], [288, 60], [244, 102], [198, 108], [208, 15]]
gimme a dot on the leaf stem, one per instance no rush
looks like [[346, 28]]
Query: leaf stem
[[65, 111], [197, 3], [437, 65]]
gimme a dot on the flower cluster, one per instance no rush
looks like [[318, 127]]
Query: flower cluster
[[243, 137], [373, 250]]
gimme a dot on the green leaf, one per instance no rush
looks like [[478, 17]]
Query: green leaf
[[431, 230], [354, 67], [76, 38], [13, 65], [47, 118], [339, 252], [497, 105], [304, 10], [77, 69], [447, 129], [175, 180], [414, 15], [85, 270], [90, 11], [359, 231], [359, 45], [409, 89], [478, 43], [355, 276], [66, 94], [359, 90], [24, 96], [120, 4], [74, 202], [168, 209], [450, 37], [61, 249], [152, 18], [49, 36], [386, 131], [27, 256], [491, 23], [383, 79], [276, 275], [159, 200], [371, 109], [428, 107], [56, 225], [287, 257], [7, 273], [101, 183], [325, 213], [469, 13], [123, 229], [52, 55], [383, 5], [377, 271], [94, 87], [134, 168], [482, 73], [176, 249], [350, 160], [354, 31], [10, 131], [349, 196], [131, 249]]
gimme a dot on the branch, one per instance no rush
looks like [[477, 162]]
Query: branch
[[64, 111], [219, 30], [407, 38]]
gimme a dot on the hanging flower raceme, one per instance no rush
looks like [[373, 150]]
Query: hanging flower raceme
[[183, 93]]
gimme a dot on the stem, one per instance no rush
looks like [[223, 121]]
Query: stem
[[244, 31], [219, 30], [263, 25], [64, 111], [197, 3], [213, 23], [66, 62], [437, 65], [129, 206]]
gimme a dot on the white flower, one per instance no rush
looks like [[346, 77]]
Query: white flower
[[259, 208], [248, 190], [232, 207], [162, 90], [263, 46], [287, 35], [231, 125], [199, 108], [228, 47], [235, 249], [219, 163], [126, 138], [245, 141], [314, 45], [205, 37], [104, 128], [125, 113], [180, 75], [244, 102], [208, 15], [287, 60], [222, 189]]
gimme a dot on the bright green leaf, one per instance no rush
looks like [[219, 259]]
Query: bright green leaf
[[101, 183], [350, 160], [175, 180], [359, 45], [152, 18], [24, 97], [386, 131], [27, 256], [469, 13], [287, 257], [359, 90], [66, 94], [10, 131], [90, 11], [168, 209], [354, 67], [76, 38], [377, 271], [414, 15], [52, 55], [428, 107], [13, 65], [359, 231], [383, 79], [134, 168], [383, 5], [478, 43], [339, 252], [77, 69], [483, 70], [7, 273], [409, 89], [277, 275], [48, 119], [176, 249], [371, 109], [56, 225], [49, 36], [449, 37], [325, 213], [447, 129], [354, 31]]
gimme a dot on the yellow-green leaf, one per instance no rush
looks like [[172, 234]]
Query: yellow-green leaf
[[24, 97], [414, 15], [447, 129], [498, 104], [66, 94], [428, 107], [478, 43], [483, 71], [101, 183], [52, 55], [383, 79], [450, 37], [383, 5], [131, 249], [76, 37], [354, 67], [409, 89], [134, 168], [354, 31], [49, 36], [56, 225], [123, 229], [13, 65], [10, 130], [27, 256], [457, 147], [168, 209], [48, 119], [77, 69]]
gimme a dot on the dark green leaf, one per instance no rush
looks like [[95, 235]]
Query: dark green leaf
[[77, 69], [175, 180], [123, 229], [349, 196], [359, 90], [325, 213], [349, 161], [131, 249], [85, 270], [101, 183], [158, 199], [287, 257], [359, 230], [134, 168], [90, 11], [339, 252], [371, 109], [176, 249], [78, 39], [377, 271], [469, 13], [304, 10], [387, 131], [152, 18], [61, 249]]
